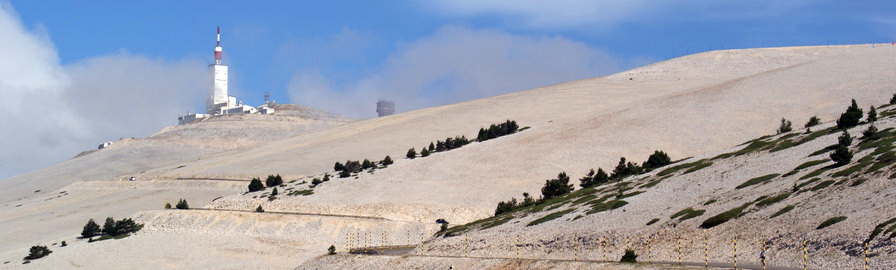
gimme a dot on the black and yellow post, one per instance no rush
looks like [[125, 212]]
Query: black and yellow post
[[603, 244], [867, 262], [466, 245], [649, 253], [679, 250], [762, 255], [805, 255], [517, 247], [735, 252], [705, 252]]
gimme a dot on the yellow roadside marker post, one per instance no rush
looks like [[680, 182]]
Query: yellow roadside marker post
[[805, 255], [575, 251], [867, 262], [603, 245], [762, 244], [649, 254], [517, 247], [679, 250], [705, 252], [735, 252]]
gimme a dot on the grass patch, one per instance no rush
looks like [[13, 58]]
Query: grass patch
[[550, 217], [882, 161], [710, 201], [496, 222], [858, 182], [304, 192], [652, 221], [782, 211], [724, 216], [652, 183], [700, 165], [808, 164], [879, 228], [783, 145], [822, 185], [630, 194], [754, 146], [817, 172], [773, 200], [861, 164], [600, 207], [824, 150], [815, 134], [757, 180], [830, 221], [687, 213]]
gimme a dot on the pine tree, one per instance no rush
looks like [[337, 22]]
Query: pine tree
[[424, 152], [366, 164], [601, 177], [842, 155], [871, 133], [785, 126], [556, 187], [338, 166], [432, 147], [851, 117], [259, 209], [274, 192], [387, 161], [331, 250], [255, 185], [109, 226], [813, 121], [182, 204], [37, 252], [872, 114], [587, 180], [656, 160], [167, 205], [90, 229], [411, 153], [620, 170], [893, 99]]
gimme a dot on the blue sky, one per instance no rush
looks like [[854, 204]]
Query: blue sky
[[128, 68]]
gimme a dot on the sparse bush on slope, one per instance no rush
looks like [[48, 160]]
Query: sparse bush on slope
[[813, 121], [842, 155], [851, 117], [556, 187], [255, 185], [786, 126]]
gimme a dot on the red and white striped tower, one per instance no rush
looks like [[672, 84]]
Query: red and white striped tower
[[218, 50], [218, 98]]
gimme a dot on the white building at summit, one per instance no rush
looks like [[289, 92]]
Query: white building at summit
[[219, 102]]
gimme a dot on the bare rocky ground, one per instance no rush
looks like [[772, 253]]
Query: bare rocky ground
[[698, 105]]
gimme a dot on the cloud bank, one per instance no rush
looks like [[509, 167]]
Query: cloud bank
[[454, 64], [50, 112]]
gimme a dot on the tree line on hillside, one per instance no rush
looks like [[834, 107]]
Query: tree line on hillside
[[493, 131], [111, 227], [270, 181], [560, 185], [852, 117]]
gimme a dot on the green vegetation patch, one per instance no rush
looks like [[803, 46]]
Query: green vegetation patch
[[830, 221], [652, 221], [600, 207], [710, 201], [773, 199], [880, 228], [814, 135], [496, 222], [304, 192], [883, 160], [550, 217], [782, 211], [626, 195], [757, 180], [783, 145], [858, 182], [816, 172], [861, 164], [822, 185], [676, 168], [724, 216], [700, 165], [824, 150]]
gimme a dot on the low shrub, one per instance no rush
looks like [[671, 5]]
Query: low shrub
[[37, 252], [724, 217], [182, 204], [830, 221], [629, 256]]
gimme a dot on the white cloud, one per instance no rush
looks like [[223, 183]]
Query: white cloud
[[605, 14], [51, 112], [454, 64]]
